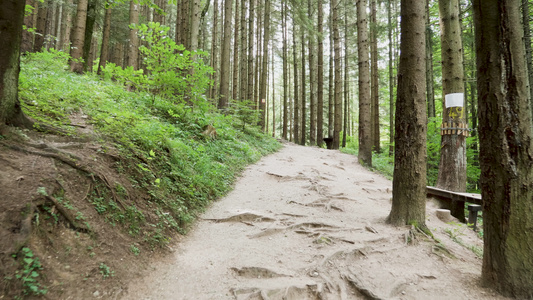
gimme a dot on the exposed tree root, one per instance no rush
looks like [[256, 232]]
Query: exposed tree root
[[258, 272], [359, 285], [68, 215], [244, 217]]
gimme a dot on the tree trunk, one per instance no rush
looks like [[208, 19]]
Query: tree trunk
[[429, 65], [11, 20], [303, 107], [104, 52], [365, 138], [214, 52], [224, 95], [296, 118], [27, 36], [66, 25], [243, 86], [391, 80], [89, 28], [264, 71], [409, 180], [40, 26], [338, 81], [133, 50], [529, 53], [320, 77], [235, 80], [452, 166], [374, 80], [331, 92], [284, 133], [312, 76], [78, 37], [194, 25], [251, 51], [506, 148], [49, 30]]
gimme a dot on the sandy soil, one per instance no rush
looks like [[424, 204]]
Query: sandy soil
[[309, 223]]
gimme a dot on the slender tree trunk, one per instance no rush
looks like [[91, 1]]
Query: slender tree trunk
[[59, 18], [452, 166], [506, 148], [194, 24], [257, 55], [338, 83], [303, 137], [273, 96], [225, 57], [251, 74], [89, 28], [66, 25], [27, 36], [133, 50], [11, 20], [203, 26], [312, 77], [214, 51], [264, 71], [320, 77], [284, 133], [40, 27], [104, 52], [409, 180], [235, 82], [429, 65], [374, 80], [346, 84], [391, 80], [296, 118], [331, 92], [49, 30], [529, 53], [78, 37], [243, 54], [365, 138]]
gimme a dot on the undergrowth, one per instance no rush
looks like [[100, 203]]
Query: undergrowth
[[159, 138]]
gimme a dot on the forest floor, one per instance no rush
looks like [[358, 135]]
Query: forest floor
[[310, 223]]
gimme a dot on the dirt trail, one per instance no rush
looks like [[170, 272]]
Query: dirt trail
[[309, 223]]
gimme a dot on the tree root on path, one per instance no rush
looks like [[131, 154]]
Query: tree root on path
[[243, 217], [257, 272], [360, 286]]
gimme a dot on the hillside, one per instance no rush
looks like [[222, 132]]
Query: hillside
[[107, 180]]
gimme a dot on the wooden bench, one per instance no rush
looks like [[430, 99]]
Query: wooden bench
[[456, 203]]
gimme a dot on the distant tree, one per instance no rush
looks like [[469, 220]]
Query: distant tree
[[429, 65], [89, 29], [225, 57], [104, 50], [296, 80], [338, 80], [312, 75], [320, 76], [11, 20], [78, 37], [409, 180], [264, 70], [374, 79], [133, 50], [285, 117], [506, 148], [365, 138]]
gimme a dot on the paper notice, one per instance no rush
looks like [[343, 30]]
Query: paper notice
[[454, 100]]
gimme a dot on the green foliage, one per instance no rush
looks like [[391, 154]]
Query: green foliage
[[106, 271], [164, 153], [29, 272], [245, 111], [172, 72]]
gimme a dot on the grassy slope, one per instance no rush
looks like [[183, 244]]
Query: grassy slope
[[161, 149]]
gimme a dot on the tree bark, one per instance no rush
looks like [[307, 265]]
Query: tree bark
[[104, 52], [66, 25], [11, 20], [235, 80], [409, 180], [251, 74], [320, 77], [78, 37], [224, 95], [89, 28], [194, 25], [27, 36], [365, 138], [243, 85], [284, 133], [312, 77], [337, 126], [429, 65], [303, 107], [331, 91], [40, 27], [133, 50], [506, 148], [452, 166], [264, 71], [529, 53], [374, 80], [296, 118], [214, 52]]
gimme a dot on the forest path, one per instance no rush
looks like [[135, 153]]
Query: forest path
[[309, 223]]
